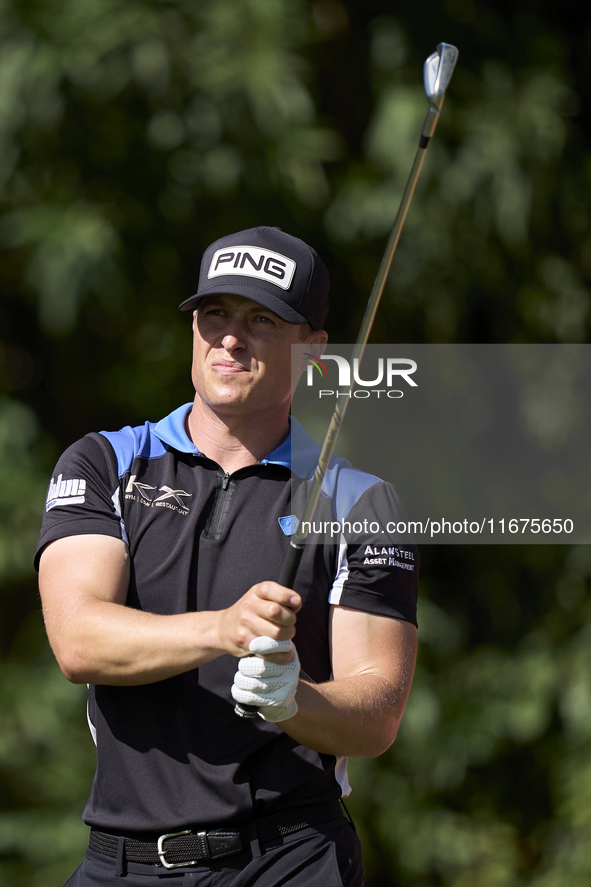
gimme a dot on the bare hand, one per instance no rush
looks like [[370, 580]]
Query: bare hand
[[266, 609]]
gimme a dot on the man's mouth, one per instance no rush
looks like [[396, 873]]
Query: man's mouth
[[228, 367]]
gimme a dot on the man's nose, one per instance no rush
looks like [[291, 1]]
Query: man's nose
[[233, 337], [230, 342]]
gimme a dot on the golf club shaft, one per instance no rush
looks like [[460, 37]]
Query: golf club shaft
[[448, 57], [292, 560]]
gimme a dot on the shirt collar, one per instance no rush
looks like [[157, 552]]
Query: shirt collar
[[172, 431], [298, 452]]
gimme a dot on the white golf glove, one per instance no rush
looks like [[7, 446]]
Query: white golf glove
[[269, 687]]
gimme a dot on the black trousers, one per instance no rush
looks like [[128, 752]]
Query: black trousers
[[320, 856]]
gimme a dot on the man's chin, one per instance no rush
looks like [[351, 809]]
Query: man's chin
[[230, 402]]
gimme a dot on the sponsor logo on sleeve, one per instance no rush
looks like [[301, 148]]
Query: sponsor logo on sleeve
[[250, 261], [389, 556], [65, 492]]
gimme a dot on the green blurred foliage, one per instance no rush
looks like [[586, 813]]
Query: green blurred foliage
[[131, 136]]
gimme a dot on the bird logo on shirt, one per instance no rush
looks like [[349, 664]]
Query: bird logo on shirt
[[169, 493]]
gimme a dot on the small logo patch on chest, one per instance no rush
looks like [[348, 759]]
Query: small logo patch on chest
[[289, 524]]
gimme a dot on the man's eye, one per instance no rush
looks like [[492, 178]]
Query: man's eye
[[262, 318]]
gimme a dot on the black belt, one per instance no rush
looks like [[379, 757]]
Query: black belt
[[191, 847]]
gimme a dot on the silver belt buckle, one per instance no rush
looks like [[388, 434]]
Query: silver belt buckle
[[162, 851]]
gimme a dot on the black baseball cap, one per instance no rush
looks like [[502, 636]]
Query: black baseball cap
[[270, 267]]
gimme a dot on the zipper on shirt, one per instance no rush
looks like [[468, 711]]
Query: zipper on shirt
[[220, 507]]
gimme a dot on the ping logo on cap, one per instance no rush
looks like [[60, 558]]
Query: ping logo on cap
[[251, 261]]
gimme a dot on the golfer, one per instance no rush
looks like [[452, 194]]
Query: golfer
[[157, 558]]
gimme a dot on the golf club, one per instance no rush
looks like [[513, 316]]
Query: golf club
[[437, 73]]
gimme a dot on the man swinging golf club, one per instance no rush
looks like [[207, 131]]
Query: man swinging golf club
[[157, 558]]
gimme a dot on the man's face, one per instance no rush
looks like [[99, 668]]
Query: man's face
[[242, 355]]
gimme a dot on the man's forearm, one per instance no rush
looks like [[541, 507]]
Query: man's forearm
[[108, 643], [97, 639], [356, 716]]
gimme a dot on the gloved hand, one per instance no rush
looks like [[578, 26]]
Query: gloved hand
[[268, 686]]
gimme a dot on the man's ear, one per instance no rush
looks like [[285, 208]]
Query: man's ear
[[317, 343]]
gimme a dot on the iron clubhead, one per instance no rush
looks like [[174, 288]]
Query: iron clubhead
[[437, 73]]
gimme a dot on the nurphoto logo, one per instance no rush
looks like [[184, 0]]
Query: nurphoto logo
[[389, 372], [314, 361]]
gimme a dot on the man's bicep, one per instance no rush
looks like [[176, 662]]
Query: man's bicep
[[77, 570], [369, 643]]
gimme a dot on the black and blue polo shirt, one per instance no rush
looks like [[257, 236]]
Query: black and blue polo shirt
[[172, 754]]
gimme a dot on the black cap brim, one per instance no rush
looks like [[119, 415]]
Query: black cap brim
[[231, 288]]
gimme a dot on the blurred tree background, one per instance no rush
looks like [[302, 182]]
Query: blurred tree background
[[134, 133]]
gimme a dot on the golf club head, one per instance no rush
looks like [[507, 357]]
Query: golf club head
[[437, 73]]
